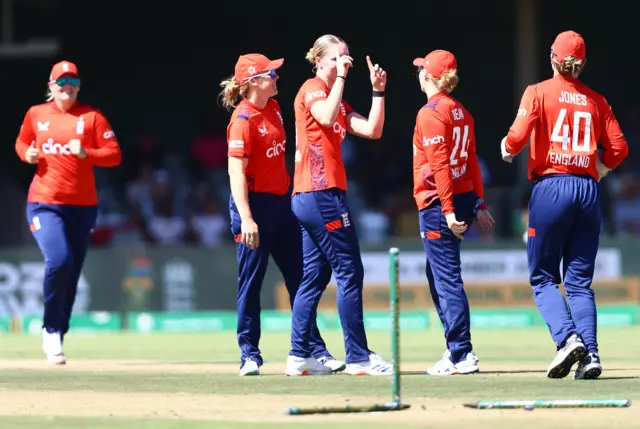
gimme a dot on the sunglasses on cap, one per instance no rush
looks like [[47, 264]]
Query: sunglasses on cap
[[271, 74], [73, 81]]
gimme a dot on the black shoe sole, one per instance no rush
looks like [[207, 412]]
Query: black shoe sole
[[563, 369], [592, 374]]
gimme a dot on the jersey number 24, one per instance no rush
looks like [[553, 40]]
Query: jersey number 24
[[460, 147]]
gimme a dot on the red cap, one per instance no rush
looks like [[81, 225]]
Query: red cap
[[250, 65], [63, 68], [569, 43], [437, 62]]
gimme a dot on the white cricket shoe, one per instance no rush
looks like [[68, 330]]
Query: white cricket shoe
[[444, 366], [374, 366], [297, 366], [571, 352], [589, 368], [469, 364], [52, 348], [334, 364], [250, 367]]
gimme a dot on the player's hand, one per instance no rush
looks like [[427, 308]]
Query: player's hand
[[343, 63], [31, 154], [250, 236], [458, 228], [603, 170], [485, 220], [378, 76], [506, 156], [75, 147]]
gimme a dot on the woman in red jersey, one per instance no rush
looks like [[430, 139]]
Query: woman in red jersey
[[450, 196], [260, 203], [566, 120], [65, 139], [330, 241]]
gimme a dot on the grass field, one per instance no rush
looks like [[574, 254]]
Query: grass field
[[164, 381]]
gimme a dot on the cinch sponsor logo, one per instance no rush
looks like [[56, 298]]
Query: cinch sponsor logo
[[52, 148], [432, 141], [315, 94], [339, 129], [108, 134], [277, 149]]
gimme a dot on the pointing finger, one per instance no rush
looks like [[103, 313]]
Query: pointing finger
[[369, 63]]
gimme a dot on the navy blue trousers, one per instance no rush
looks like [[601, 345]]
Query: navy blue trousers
[[63, 234], [330, 245], [280, 238], [564, 227], [444, 271]]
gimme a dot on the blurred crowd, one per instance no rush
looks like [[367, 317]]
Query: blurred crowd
[[182, 198]]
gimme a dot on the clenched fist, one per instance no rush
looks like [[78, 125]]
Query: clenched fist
[[75, 146]]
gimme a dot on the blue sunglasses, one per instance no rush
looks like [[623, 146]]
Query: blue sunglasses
[[73, 81], [270, 74]]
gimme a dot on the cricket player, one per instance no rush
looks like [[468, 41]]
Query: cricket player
[[65, 139], [330, 241], [260, 204], [566, 120], [449, 193]]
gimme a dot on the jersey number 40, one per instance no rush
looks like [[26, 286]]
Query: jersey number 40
[[577, 144]]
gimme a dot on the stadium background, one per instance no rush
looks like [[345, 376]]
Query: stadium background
[[163, 244]]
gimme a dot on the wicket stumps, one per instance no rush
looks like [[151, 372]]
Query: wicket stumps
[[557, 403], [396, 403]]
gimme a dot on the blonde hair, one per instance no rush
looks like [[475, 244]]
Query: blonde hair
[[570, 66], [49, 95], [232, 89], [321, 46], [447, 80]]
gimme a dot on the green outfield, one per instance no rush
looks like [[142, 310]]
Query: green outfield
[[190, 381]]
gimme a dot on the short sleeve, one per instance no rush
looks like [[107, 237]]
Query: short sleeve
[[239, 138], [347, 107], [312, 93]]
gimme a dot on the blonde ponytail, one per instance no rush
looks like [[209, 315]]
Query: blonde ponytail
[[231, 91], [570, 66], [321, 47], [447, 81]]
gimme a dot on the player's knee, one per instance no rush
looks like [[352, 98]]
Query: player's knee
[[60, 263]]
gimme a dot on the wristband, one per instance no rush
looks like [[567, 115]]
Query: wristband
[[342, 77], [378, 93]]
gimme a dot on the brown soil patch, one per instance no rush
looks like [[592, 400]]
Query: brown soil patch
[[270, 408]]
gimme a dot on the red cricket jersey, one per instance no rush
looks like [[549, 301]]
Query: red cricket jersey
[[318, 162], [566, 119], [258, 134], [444, 153], [63, 178]]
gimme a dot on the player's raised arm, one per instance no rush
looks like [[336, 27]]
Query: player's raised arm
[[526, 119], [614, 142], [325, 111], [372, 126]]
